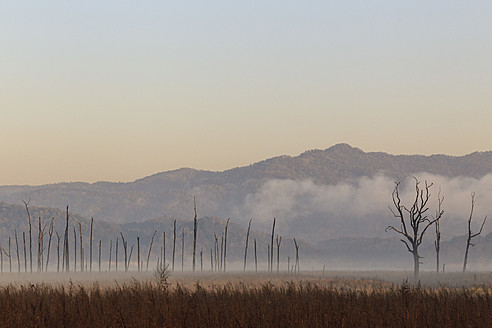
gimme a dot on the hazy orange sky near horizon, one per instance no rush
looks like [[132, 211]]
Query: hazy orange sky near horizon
[[118, 90]]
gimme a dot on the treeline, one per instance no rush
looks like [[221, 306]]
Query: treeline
[[66, 244]]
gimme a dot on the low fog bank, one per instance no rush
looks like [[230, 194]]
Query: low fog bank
[[359, 208]]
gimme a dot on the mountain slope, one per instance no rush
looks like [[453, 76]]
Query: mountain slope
[[225, 194]]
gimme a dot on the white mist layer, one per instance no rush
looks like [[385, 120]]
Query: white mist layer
[[364, 201]]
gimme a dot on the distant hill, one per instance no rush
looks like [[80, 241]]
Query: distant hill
[[232, 193]]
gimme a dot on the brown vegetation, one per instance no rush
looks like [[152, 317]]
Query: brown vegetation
[[285, 305]]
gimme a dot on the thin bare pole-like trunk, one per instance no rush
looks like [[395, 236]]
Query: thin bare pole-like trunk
[[75, 249], [58, 238], [278, 242], [25, 252], [10, 258], [211, 261], [50, 233], [100, 241], [110, 253], [201, 260], [174, 242], [66, 247], [271, 248], [246, 246], [138, 254], [225, 244], [470, 234], [125, 249], [195, 226], [163, 263], [129, 258], [81, 249], [150, 250], [182, 248], [437, 242], [17, 250], [39, 245], [269, 262], [221, 252], [297, 268], [90, 246], [216, 251], [1, 258], [256, 258], [26, 204], [116, 255]]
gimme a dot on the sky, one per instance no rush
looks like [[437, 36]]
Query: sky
[[118, 90]]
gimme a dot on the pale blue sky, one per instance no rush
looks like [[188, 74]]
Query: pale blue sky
[[116, 90]]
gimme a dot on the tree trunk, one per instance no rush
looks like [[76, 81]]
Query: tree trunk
[[195, 226], [174, 242], [225, 244], [271, 248], [246, 246], [90, 246], [256, 259], [150, 250], [110, 253], [416, 266]]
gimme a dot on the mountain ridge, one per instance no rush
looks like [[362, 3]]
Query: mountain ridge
[[225, 193]]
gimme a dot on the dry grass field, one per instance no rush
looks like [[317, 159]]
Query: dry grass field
[[337, 299]]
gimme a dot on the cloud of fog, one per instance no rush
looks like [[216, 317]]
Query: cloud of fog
[[367, 198]]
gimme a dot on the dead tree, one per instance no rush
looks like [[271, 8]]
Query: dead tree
[[211, 261], [225, 243], [278, 242], [246, 246], [129, 258], [75, 249], [81, 249], [17, 250], [150, 250], [66, 248], [470, 234], [413, 221], [50, 234], [116, 255], [195, 226], [110, 253], [163, 262], [256, 259], [10, 258], [90, 246], [40, 245], [58, 237], [221, 252], [100, 241], [1, 258], [125, 249], [437, 224], [201, 260], [25, 253], [174, 242], [26, 204], [182, 248], [138, 254], [271, 248], [216, 251], [297, 268]]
